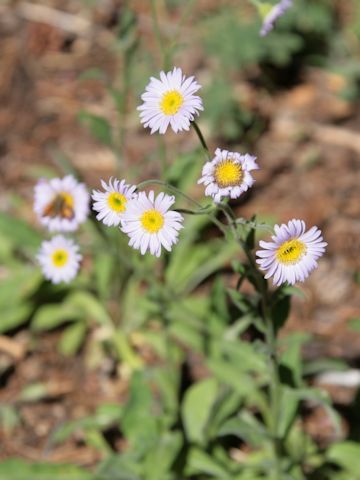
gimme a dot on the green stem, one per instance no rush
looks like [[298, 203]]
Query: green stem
[[270, 338], [158, 35], [201, 138], [162, 155], [275, 385], [169, 187], [212, 216]]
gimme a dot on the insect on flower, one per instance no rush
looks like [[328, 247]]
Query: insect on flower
[[61, 204]]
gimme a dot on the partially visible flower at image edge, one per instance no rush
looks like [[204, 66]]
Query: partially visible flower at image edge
[[59, 259], [170, 101], [112, 202], [293, 253], [61, 204], [150, 224], [228, 174], [271, 13]]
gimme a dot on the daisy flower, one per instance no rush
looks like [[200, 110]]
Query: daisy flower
[[111, 204], [271, 13], [228, 174], [59, 259], [150, 224], [170, 101], [292, 254], [61, 204]]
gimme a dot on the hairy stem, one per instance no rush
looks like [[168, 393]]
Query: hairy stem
[[201, 138], [270, 338], [211, 215]]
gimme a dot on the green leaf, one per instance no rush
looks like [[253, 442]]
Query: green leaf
[[288, 406], [245, 356], [19, 285], [51, 316], [159, 460], [119, 467], [230, 374], [15, 316], [246, 427], [96, 440], [354, 324], [199, 462], [72, 338], [168, 382], [125, 351], [219, 300], [19, 232], [239, 299], [87, 303], [250, 238], [187, 334], [238, 327], [320, 397], [99, 127], [280, 312], [324, 364], [291, 356], [140, 428], [9, 418], [33, 392], [213, 257], [196, 409], [16, 469], [227, 403], [347, 455], [103, 269], [105, 416]]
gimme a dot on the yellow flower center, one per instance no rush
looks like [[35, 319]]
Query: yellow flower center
[[228, 174], [61, 206], [152, 221], [171, 102], [117, 202], [291, 251], [60, 257]]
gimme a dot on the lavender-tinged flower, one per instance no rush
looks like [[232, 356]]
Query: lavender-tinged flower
[[292, 254], [228, 174], [270, 17], [170, 101]]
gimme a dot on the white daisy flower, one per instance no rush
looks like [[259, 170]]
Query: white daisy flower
[[61, 204], [111, 204], [170, 101], [150, 224], [59, 259], [292, 254], [228, 174]]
